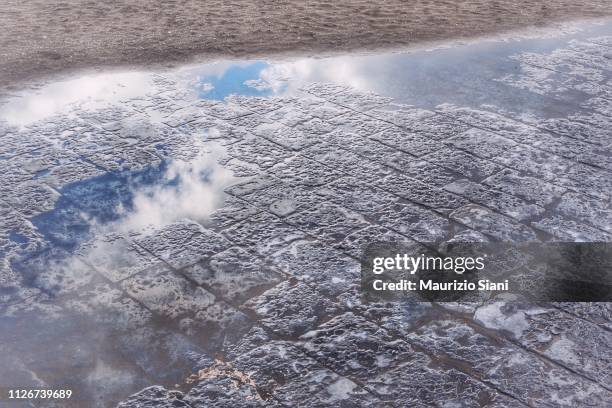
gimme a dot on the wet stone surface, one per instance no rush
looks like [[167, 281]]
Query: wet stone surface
[[160, 250]]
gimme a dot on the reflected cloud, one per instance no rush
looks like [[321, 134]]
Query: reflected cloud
[[88, 92], [189, 189]]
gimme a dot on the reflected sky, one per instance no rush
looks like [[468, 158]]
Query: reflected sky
[[92, 325], [84, 234], [466, 74]]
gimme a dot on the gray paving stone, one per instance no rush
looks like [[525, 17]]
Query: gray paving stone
[[332, 223], [301, 171], [183, 243], [494, 224], [263, 233], [581, 346], [528, 188], [421, 193], [167, 294], [414, 222], [506, 204], [592, 211], [467, 164], [328, 270], [354, 347], [571, 231], [412, 143], [347, 162], [116, 258], [235, 274], [508, 368], [291, 308]]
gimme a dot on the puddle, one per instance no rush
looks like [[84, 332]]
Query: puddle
[[463, 74], [75, 321], [92, 328]]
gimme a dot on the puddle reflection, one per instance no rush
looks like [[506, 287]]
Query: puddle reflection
[[460, 74], [78, 329], [97, 305]]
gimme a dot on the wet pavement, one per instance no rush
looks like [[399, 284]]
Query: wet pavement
[[201, 230]]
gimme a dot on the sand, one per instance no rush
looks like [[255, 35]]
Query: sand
[[40, 38]]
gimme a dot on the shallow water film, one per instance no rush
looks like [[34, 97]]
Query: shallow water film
[[200, 230]]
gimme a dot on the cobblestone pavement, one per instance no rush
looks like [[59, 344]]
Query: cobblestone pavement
[[216, 245]]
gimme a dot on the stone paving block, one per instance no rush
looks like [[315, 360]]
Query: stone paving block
[[401, 115], [62, 277], [506, 204], [513, 371], [356, 243], [302, 171], [167, 294], [581, 346], [32, 198], [254, 104], [347, 162], [356, 195], [325, 388], [232, 211], [288, 137], [314, 128], [599, 313], [482, 143], [356, 348], [183, 243], [595, 212], [257, 150], [328, 270], [571, 231], [577, 130], [217, 327], [252, 184], [530, 189], [600, 105], [291, 308], [467, 164], [359, 101], [290, 114], [414, 222], [234, 274], [529, 160], [421, 193], [415, 384], [116, 258], [263, 233], [109, 309], [129, 158], [274, 364], [588, 180], [329, 222], [412, 143], [283, 199], [222, 110], [14, 144], [424, 171], [494, 224], [248, 123], [324, 110], [323, 90], [398, 317], [161, 354], [359, 124]]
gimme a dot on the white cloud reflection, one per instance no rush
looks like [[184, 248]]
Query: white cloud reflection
[[89, 92], [196, 192]]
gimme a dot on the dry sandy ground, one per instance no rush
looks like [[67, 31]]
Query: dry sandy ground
[[42, 37]]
